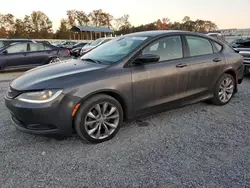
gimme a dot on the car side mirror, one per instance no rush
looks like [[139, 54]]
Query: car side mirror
[[5, 52], [146, 58]]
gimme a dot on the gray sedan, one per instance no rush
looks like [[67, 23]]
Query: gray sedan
[[128, 77]]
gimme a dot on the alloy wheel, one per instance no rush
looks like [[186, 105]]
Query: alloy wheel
[[226, 89], [54, 60], [101, 120]]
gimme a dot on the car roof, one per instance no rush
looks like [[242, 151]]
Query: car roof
[[16, 39], [25, 42], [157, 33], [214, 34]]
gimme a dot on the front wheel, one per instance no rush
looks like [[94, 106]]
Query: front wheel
[[224, 90], [98, 119]]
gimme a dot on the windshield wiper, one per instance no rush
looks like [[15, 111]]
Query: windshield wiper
[[93, 60]]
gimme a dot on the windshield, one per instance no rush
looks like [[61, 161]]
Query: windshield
[[114, 50], [96, 42]]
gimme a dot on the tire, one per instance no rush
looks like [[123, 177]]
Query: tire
[[54, 60], [85, 123], [218, 98]]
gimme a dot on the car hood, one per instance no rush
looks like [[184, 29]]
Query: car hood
[[55, 75]]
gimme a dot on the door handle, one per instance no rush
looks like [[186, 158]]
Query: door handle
[[181, 65], [216, 60]]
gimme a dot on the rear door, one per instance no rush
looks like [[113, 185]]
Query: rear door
[[16, 56], [205, 64], [38, 54]]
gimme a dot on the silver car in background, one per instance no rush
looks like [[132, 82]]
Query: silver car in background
[[94, 44]]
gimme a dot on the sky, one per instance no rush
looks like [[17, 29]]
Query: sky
[[226, 14]]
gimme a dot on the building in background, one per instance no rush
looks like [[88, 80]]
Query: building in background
[[89, 33]]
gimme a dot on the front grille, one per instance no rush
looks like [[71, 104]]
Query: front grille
[[12, 93], [246, 60]]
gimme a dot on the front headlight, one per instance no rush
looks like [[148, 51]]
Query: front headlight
[[39, 96]]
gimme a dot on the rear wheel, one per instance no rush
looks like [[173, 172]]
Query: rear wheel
[[224, 90], [98, 119], [54, 60]]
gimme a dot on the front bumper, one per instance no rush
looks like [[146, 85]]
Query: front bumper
[[247, 68], [48, 118], [240, 73]]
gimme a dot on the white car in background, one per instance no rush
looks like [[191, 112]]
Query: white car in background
[[217, 36]]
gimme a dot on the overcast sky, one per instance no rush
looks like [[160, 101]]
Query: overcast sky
[[225, 13]]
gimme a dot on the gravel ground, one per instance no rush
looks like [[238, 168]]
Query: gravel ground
[[196, 146]]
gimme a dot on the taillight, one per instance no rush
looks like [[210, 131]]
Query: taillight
[[67, 51]]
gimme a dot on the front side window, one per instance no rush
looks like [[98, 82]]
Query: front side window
[[199, 46], [17, 48], [114, 50], [36, 47], [168, 48]]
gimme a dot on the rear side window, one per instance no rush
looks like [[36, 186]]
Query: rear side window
[[217, 47], [214, 36], [199, 46], [36, 47]]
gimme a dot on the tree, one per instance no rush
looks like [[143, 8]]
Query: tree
[[81, 18], [3, 32], [188, 25], [210, 26], [125, 24], [117, 24], [72, 17], [95, 17], [6, 24], [38, 25], [175, 26], [186, 19], [20, 31], [63, 31], [162, 24], [106, 19], [101, 18]]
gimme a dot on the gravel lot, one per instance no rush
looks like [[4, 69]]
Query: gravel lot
[[196, 146]]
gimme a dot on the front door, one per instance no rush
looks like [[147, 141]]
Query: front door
[[165, 81], [16, 56]]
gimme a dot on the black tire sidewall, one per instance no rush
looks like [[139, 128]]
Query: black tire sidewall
[[216, 99], [51, 60], [84, 109]]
